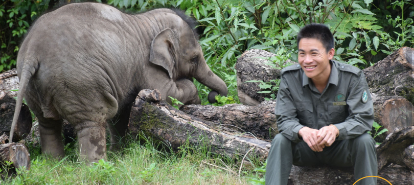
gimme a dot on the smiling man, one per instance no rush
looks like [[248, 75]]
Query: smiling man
[[324, 111]]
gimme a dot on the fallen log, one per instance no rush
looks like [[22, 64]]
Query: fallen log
[[260, 120], [13, 155], [162, 122], [24, 122]]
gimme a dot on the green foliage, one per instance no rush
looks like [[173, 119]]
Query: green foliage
[[270, 87], [223, 100], [259, 176], [377, 131], [15, 18], [175, 103]]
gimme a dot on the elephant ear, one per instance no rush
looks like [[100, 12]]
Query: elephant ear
[[164, 50]]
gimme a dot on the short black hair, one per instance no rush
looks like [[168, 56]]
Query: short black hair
[[319, 32]]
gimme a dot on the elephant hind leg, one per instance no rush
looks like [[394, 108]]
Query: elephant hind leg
[[92, 141], [51, 139]]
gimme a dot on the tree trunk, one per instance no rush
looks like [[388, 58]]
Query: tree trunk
[[24, 122], [164, 123], [259, 121], [13, 155]]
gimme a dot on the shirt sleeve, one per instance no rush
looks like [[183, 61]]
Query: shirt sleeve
[[361, 114], [287, 123]]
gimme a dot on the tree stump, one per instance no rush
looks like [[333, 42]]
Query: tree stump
[[258, 120], [13, 155], [255, 65]]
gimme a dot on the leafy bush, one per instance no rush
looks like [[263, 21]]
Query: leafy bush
[[15, 19], [365, 30]]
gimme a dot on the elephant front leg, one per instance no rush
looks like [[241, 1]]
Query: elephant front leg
[[92, 141], [185, 91]]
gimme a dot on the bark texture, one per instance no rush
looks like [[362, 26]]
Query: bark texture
[[259, 121], [256, 65], [394, 75]]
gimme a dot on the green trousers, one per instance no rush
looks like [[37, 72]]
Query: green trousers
[[359, 152]]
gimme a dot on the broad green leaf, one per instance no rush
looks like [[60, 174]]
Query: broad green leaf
[[352, 44], [340, 51], [218, 15], [249, 7], [375, 40], [265, 15], [209, 39], [364, 11], [373, 52], [295, 27], [126, 3], [368, 2], [356, 5], [133, 3]]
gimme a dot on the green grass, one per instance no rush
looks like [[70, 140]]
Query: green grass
[[135, 164]]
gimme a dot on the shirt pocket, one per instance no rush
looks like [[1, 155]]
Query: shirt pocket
[[305, 112], [337, 113]]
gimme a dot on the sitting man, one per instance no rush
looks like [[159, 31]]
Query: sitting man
[[324, 110]]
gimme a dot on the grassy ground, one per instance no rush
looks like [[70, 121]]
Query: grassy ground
[[138, 164]]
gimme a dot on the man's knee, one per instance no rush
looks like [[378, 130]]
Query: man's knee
[[280, 140], [364, 142]]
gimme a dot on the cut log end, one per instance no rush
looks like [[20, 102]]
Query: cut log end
[[13, 155]]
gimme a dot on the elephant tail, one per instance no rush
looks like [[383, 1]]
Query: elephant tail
[[28, 69]]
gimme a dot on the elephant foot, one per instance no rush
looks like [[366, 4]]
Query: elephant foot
[[51, 139], [92, 143]]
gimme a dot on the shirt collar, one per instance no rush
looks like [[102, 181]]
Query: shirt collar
[[333, 77]]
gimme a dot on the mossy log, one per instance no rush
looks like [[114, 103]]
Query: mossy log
[[163, 122]]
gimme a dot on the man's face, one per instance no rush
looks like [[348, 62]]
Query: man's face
[[314, 59]]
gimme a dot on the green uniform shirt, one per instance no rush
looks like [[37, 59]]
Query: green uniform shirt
[[345, 102]]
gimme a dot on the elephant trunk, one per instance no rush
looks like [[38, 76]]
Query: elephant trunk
[[205, 76]]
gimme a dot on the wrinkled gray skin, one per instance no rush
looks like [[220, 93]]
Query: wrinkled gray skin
[[87, 62]]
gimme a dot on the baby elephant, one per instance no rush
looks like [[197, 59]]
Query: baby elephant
[[86, 63]]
